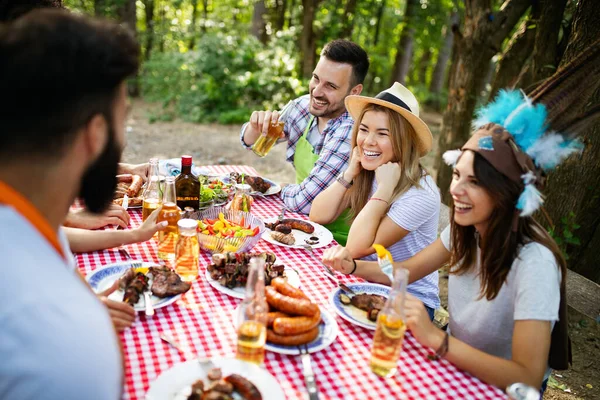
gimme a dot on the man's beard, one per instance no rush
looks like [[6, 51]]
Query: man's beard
[[332, 110], [100, 180]]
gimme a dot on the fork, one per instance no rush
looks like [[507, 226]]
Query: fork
[[206, 364], [309, 376], [134, 264], [330, 273], [281, 214]]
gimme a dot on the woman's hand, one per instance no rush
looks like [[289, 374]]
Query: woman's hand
[[121, 314], [135, 169], [417, 320], [354, 167], [339, 259], [114, 215], [388, 175], [149, 227]]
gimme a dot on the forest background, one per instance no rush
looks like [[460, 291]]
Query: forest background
[[216, 61]]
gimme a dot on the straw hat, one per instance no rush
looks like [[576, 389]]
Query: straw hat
[[401, 100]]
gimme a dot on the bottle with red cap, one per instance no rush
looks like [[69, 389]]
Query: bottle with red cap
[[187, 185]]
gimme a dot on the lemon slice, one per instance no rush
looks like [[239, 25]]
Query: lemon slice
[[143, 270], [382, 253]]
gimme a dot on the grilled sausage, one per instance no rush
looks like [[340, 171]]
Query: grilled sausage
[[244, 387], [285, 288], [289, 304], [292, 340], [303, 226], [136, 185], [296, 325], [274, 314], [126, 178]]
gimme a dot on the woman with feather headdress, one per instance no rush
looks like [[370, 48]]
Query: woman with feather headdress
[[506, 290]]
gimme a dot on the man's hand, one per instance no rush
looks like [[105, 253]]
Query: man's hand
[[135, 169], [121, 314], [114, 215], [259, 125]]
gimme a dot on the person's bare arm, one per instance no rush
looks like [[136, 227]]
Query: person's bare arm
[[135, 169], [83, 240], [428, 260], [114, 215], [530, 348]]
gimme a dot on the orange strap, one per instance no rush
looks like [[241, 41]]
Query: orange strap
[[11, 197]]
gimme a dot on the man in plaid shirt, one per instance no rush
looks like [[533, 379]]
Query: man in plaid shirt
[[319, 118]]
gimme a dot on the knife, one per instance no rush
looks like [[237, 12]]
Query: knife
[[125, 202]]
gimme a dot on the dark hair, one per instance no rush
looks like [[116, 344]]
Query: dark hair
[[345, 51], [58, 70], [500, 245], [11, 9]]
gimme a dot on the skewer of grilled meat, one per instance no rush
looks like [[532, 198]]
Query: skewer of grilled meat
[[138, 284]]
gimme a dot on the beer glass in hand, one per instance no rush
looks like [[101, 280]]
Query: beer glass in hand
[[265, 143]]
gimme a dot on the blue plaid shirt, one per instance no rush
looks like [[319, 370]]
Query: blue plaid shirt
[[332, 145]]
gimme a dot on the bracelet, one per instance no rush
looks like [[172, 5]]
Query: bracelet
[[378, 199], [344, 182], [353, 269], [441, 352]]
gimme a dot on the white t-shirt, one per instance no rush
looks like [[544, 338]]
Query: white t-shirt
[[417, 211], [531, 292], [56, 338]]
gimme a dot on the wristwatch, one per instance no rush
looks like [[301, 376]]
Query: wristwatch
[[344, 182]]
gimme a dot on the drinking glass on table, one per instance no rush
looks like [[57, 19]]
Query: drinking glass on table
[[252, 317], [389, 334], [265, 143], [152, 194]]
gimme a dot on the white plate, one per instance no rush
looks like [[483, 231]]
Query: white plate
[[352, 314], [328, 331], [103, 278], [324, 235], [274, 189], [239, 292], [176, 382]]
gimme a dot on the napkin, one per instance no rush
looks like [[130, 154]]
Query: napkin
[[172, 167]]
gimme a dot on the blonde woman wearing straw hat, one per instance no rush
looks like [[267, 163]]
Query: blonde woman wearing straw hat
[[392, 199]]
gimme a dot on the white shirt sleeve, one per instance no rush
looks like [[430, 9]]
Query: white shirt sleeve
[[537, 282], [414, 208], [445, 237]]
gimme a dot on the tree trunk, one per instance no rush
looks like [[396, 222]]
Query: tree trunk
[[348, 19], [126, 13], [545, 52], [379, 18], [149, 11], [162, 15], [483, 35], [259, 25], [280, 17], [517, 53], [192, 30], [204, 15], [439, 72], [575, 185], [405, 45], [423, 67], [307, 40]]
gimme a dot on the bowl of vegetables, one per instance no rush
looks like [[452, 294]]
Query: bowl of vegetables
[[221, 230]]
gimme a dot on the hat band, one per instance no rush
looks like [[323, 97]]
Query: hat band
[[392, 99]]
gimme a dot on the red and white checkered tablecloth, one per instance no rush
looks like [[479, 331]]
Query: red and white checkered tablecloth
[[202, 321]]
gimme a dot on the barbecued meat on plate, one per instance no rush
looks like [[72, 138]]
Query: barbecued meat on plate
[[135, 287], [165, 282]]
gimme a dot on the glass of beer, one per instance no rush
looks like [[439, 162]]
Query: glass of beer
[[265, 143]]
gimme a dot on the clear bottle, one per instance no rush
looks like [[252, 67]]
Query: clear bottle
[[167, 238], [391, 326], [152, 194], [242, 201], [187, 250], [252, 316], [187, 185]]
